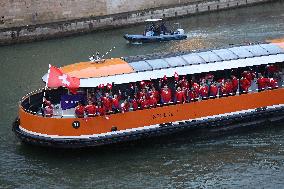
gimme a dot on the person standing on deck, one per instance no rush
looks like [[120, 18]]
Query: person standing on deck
[[101, 109], [166, 95], [244, 84], [79, 110], [235, 83], [262, 82], [272, 83], [107, 102], [153, 101], [91, 109], [180, 96], [203, 91], [48, 109], [213, 90], [125, 106]]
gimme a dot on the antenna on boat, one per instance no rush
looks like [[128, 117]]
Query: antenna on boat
[[108, 52], [97, 58]]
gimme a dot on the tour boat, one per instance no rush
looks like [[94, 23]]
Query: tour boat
[[212, 113], [156, 32]]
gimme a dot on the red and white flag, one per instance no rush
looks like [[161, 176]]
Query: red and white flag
[[56, 78]]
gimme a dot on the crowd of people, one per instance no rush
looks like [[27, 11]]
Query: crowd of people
[[107, 99]]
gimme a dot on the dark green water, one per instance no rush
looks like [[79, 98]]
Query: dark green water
[[245, 160]]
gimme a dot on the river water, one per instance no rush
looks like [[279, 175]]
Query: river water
[[248, 160]]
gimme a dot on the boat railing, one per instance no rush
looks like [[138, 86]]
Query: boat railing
[[33, 101]]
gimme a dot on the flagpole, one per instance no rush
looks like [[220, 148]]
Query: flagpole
[[45, 88]]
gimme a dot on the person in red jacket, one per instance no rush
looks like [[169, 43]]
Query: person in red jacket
[[115, 103], [143, 93], [144, 103], [244, 85], [152, 101], [180, 96], [134, 103], [186, 93], [271, 70], [184, 83], [79, 110], [235, 83], [196, 88], [228, 87], [101, 109], [262, 82], [222, 91], [272, 83], [107, 102], [90, 109], [48, 109], [192, 95], [203, 91], [213, 91], [155, 93], [166, 95], [125, 106]]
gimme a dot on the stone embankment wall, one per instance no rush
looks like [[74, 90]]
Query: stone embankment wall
[[28, 20]]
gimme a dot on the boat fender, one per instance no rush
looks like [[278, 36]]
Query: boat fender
[[113, 128], [16, 123], [76, 124]]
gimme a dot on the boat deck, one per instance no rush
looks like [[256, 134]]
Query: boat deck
[[70, 113]]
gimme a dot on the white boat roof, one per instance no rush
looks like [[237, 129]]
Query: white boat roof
[[193, 63], [153, 20]]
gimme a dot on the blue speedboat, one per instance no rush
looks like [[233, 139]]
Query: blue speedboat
[[156, 31]]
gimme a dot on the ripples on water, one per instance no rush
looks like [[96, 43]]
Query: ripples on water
[[247, 160]]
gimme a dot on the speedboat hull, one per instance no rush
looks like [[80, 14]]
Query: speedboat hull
[[150, 39]]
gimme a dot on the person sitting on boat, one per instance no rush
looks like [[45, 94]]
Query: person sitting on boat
[[248, 75], [144, 102], [184, 83], [261, 82], [150, 31], [272, 83], [229, 87], [143, 93], [223, 91], [91, 109], [271, 70], [134, 103], [79, 110], [125, 106], [244, 85], [48, 109], [163, 28], [180, 96], [166, 95], [107, 102], [192, 95], [115, 103], [155, 93], [213, 91], [235, 83], [196, 87], [203, 91], [101, 111], [186, 93], [153, 101]]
